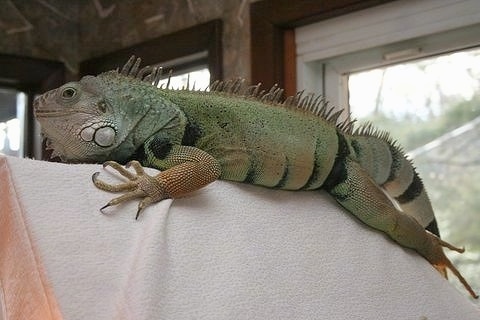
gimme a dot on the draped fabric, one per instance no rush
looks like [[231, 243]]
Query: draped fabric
[[228, 251]]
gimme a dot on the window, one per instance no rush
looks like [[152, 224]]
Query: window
[[413, 69], [188, 71], [198, 79], [21, 78], [188, 50], [12, 119]]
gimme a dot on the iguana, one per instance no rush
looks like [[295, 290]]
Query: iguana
[[239, 133]]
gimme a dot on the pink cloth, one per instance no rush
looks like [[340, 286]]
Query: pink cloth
[[228, 251], [25, 292]]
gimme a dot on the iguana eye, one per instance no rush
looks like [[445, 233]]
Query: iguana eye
[[69, 93], [102, 106]]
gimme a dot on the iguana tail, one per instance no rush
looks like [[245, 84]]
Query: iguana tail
[[375, 182], [387, 164]]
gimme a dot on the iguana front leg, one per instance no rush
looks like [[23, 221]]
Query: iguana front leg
[[189, 169], [361, 196]]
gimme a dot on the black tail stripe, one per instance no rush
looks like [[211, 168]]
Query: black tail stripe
[[251, 176], [397, 159], [191, 134], [315, 170], [283, 180], [413, 190], [338, 174], [433, 227]]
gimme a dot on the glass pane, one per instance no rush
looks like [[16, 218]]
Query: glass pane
[[432, 107], [198, 78], [12, 115]]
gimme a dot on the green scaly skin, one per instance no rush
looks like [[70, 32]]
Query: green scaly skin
[[236, 133]]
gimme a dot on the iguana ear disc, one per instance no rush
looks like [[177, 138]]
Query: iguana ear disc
[[105, 136]]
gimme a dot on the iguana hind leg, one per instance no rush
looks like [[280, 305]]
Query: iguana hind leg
[[361, 196]]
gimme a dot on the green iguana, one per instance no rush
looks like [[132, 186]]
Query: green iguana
[[239, 133]]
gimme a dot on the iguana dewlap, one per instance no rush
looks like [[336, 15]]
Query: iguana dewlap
[[237, 133]]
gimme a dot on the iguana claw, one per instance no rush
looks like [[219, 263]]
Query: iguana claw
[[139, 185], [440, 261]]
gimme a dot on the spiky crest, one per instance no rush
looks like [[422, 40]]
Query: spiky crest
[[309, 103], [368, 129]]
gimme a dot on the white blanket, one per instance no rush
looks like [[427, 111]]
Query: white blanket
[[228, 251]]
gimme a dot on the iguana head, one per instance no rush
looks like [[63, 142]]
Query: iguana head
[[78, 120], [99, 118]]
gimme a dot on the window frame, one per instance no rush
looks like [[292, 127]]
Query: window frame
[[31, 76], [372, 38], [271, 30]]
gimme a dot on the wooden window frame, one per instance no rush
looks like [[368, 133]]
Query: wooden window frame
[[204, 37], [272, 24]]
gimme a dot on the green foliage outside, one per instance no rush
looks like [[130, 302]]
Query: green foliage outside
[[412, 132]]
